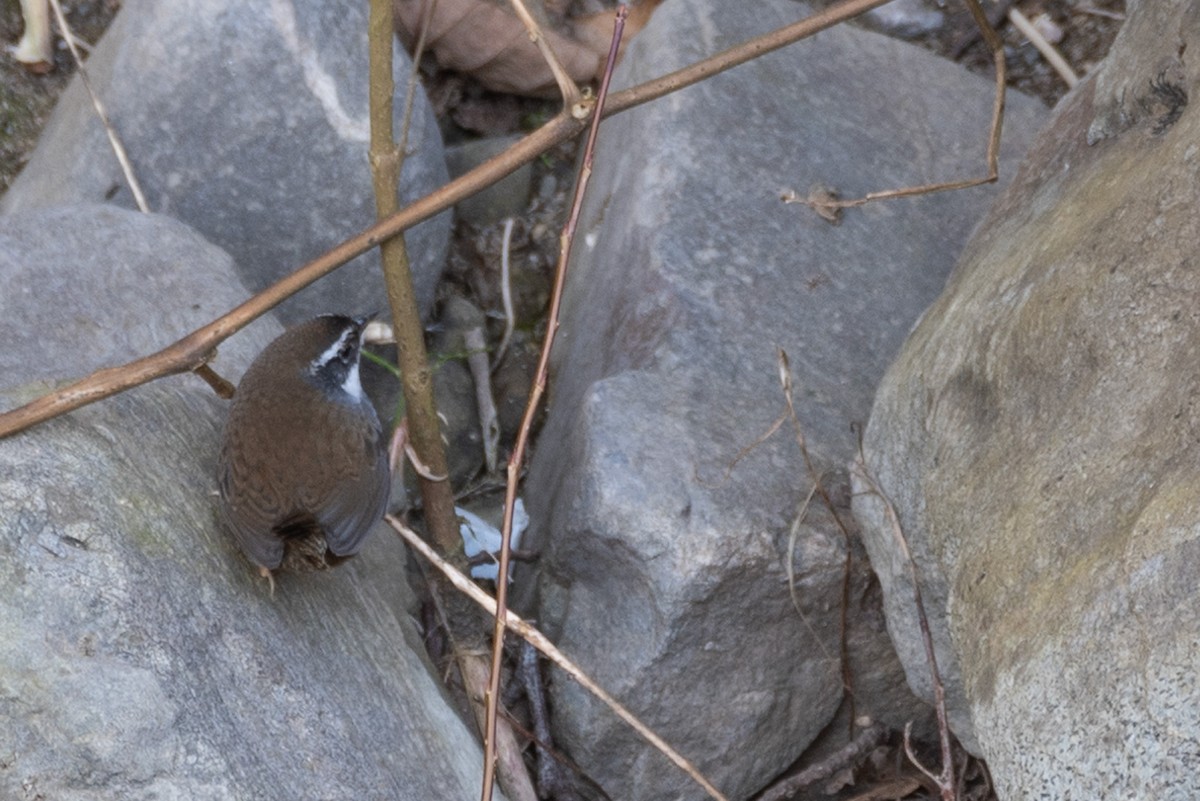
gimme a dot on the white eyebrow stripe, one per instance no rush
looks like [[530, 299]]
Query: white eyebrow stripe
[[331, 351]]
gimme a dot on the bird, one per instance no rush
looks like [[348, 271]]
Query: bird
[[303, 473]]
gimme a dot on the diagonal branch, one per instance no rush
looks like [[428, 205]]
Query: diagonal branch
[[551, 652], [199, 346]]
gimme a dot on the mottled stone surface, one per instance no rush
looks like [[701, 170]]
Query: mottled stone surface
[[247, 121], [140, 655], [662, 574], [1039, 435]]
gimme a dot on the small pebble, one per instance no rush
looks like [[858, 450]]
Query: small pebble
[[906, 18]]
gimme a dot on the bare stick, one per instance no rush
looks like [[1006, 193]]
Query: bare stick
[[785, 380], [539, 387], [113, 139], [196, 348], [514, 776], [472, 670], [945, 781], [223, 388], [416, 377], [538, 640], [566, 86], [739, 54], [851, 754], [551, 781], [825, 204]]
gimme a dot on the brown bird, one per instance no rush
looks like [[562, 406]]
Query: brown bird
[[303, 472]]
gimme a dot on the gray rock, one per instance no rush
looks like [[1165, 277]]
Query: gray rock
[[663, 576], [248, 121], [906, 18], [140, 655], [1038, 436], [1150, 45]]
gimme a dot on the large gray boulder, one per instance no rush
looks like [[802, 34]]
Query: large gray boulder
[[662, 575], [140, 655], [1039, 435], [247, 121]]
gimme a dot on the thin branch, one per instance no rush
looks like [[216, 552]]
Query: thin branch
[[113, 139], [739, 54], [514, 776], [489, 423], [410, 92], [785, 380], [416, 377], [539, 387], [196, 348], [566, 86], [825, 204], [472, 671], [219, 385], [849, 755], [945, 781], [538, 640]]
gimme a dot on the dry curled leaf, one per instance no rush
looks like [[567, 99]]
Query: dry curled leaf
[[595, 30], [487, 42]]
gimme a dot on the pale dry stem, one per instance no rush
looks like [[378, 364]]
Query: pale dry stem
[[195, 348], [945, 781], [1047, 50], [566, 86], [825, 202], [113, 140], [538, 640], [506, 293], [517, 459]]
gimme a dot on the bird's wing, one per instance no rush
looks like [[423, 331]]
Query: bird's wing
[[262, 547], [346, 520]]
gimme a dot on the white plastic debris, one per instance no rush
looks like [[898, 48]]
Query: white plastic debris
[[481, 537]]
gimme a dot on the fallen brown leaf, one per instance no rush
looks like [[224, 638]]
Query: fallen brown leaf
[[595, 30], [487, 42]]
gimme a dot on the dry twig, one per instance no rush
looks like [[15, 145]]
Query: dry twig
[[1052, 56], [851, 754], [539, 387], [551, 652], [785, 379], [945, 780], [506, 293], [566, 86], [825, 202], [197, 347], [113, 140], [489, 423]]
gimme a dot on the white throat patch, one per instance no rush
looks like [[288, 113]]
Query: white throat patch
[[351, 385]]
